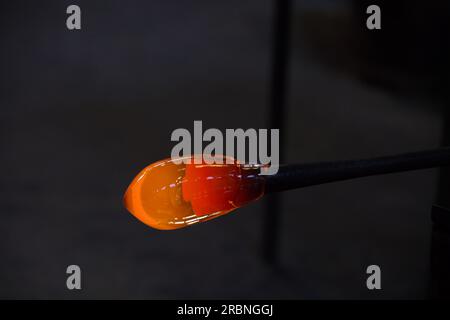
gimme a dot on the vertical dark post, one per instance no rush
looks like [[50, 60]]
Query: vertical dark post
[[444, 177], [443, 197], [440, 253], [280, 57], [443, 81], [440, 241]]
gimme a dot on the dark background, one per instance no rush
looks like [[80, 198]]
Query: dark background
[[83, 111]]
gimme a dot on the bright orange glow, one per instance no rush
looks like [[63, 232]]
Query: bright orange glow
[[167, 195]]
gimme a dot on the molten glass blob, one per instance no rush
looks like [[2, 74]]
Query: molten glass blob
[[171, 194]]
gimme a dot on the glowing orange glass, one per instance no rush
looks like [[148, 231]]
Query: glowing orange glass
[[170, 195]]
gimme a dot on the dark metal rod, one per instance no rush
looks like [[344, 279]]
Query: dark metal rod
[[280, 57], [303, 175]]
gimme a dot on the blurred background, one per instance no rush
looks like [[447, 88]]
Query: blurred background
[[82, 112]]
